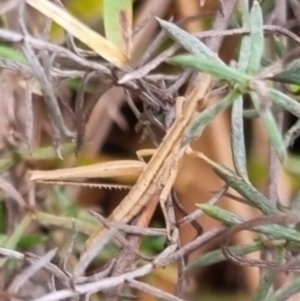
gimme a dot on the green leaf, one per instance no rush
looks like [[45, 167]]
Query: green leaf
[[238, 139], [243, 187], [3, 240], [279, 47], [212, 66], [29, 241], [268, 277], [9, 52], [18, 233], [252, 113], [274, 135], [13, 240], [290, 135], [81, 31], [197, 126], [267, 6], [270, 126], [63, 202], [118, 23], [44, 153], [231, 219], [284, 101], [47, 153], [153, 245], [256, 37], [289, 75], [217, 256], [65, 222], [74, 84], [245, 49], [286, 291], [186, 40]]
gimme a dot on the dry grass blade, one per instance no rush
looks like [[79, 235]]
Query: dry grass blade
[[283, 219], [96, 286], [9, 5], [29, 114], [79, 108], [153, 291], [32, 259], [23, 277], [126, 259], [11, 192], [92, 252], [83, 33], [47, 89], [144, 70]]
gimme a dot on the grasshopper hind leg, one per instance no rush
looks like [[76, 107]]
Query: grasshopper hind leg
[[163, 200]]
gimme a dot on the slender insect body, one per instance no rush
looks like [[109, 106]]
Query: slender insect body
[[155, 178]]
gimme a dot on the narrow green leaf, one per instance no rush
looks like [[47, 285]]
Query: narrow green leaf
[[290, 135], [212, 66], [18, 232], [30, 241], [14, 239], [217, 256], [63, 202], [286, 291], [44, 153], [153, 245], [238, 139], [65, 222], [117, 17], [3, 240], [243, 187], [9, 52], [267, 6], [279, 47], [282, 100], [270, 126], [256, 37], [204, 118], [245, 49], [237, 122], [230, 219], [268, 278], [275, 138], [226, 217], [186, 40], [289, 75], [252, 113]]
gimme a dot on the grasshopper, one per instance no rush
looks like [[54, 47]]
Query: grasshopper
[[156, 178], [76, 176]]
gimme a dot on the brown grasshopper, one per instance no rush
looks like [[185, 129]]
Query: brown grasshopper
[[156, 178], [77, 176]]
